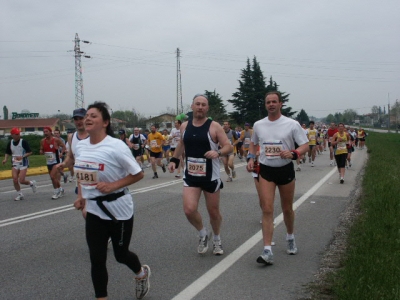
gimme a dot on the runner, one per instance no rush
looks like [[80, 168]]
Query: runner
[[176, 137], [239, 145], [350, 147], [166, 147], [312, 135], [200, 139], [146, 149], [228, 159], [361, 138], [138, 142], [70, 168], [339, 141], [331, 132], [19, 150], [155, 141], [276, 135], [62, 151], [122, 137], [49, 147], [105, 168], [245, 137]]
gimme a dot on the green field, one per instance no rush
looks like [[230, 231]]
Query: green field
[[370, 267]]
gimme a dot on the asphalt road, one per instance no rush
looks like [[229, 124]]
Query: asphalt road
[[44, 253]]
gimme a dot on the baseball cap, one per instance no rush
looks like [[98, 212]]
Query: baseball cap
[[246, 124], [79, 112], [15, 130], [121, 131]]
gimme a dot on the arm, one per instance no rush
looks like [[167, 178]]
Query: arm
[[109, 187], [7, 153], [223, 141], [69, 160]]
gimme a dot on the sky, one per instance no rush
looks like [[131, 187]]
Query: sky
[[328, 55]]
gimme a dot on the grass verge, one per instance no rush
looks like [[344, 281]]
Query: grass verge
[[367, 264], [34, 161]]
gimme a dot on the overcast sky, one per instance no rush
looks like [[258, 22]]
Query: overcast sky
[[329, 55]]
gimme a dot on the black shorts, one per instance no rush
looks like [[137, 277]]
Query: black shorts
[[137, 153], [172, 149], [329, 144], [50, 167], [209, 186], [311, 147], [341, 160], [155, 154], [278, 175], [361, 139], [238, 145]]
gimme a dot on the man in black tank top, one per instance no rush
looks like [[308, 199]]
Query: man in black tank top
[[199, 141]]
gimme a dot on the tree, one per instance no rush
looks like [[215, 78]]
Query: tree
[[349, 115], [338, 117], [217, 108], [375, 110], [5, 112], [131, 117], [248, 101], [330, 119], [302, 117]]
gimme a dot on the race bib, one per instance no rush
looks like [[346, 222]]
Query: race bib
[[273, 149], [136, 146], [312, 138], [15, 161], [153, 144], [341, 146], [247, 141], [87, 173], [196, 166], [50, 158]]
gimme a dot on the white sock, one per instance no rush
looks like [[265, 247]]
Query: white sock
[[217, 237], [141, 274], [203, 232], [289, 236], [268, 248], [30, 183]]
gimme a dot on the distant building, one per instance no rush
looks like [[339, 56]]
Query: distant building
[[164, 121], [29, 126]]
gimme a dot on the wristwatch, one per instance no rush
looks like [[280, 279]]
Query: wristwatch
[[219, 152]]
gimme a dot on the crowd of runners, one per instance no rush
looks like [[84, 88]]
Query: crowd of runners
[[103, 167]]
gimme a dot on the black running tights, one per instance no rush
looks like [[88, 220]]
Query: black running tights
[[97, 233]]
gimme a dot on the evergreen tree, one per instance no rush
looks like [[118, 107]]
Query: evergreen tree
[[217, 108], [302, 117], [249, 99]]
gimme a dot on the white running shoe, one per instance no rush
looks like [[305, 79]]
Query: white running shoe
[[312, 164], [33, 186], [233, 174], [291, 247], [229, 179], [143, 284], [203, 245], [217, 248], [266, 257], [19, 197], [298, 168], [57, 194]]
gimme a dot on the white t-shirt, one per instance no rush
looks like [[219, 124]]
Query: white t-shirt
[[107, 161], [176, 137], [276, 136]]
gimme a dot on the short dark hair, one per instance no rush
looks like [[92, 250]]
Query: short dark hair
[[274, 93], [311, 122]]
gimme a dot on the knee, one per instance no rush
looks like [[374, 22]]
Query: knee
[[121, 257], [287, 211], [267, 209], [214, 214], [15, 180], [189, 210]]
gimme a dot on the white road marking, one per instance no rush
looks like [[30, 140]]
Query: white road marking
[[202, 282]]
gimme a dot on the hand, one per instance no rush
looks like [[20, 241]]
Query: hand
[[105, 187], [286, 154], [250, 165], [79, 203], [211, 154], [4, 161], [60, 166], [171, 167]]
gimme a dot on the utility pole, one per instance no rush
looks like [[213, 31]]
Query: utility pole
[[397, 113], [388, 114], [178, 83], [79, 99]]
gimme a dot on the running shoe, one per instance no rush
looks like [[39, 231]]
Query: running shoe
[[71, 178], [33, 186], [331, 164], [163, 168], [341, 180], [65, 176], [203, 245], [298, 168], [62, 192], [56, 195], [309, 159], [233, 174], [217, 248], [143, 284], [19, 197], [229, 179], [350, 164], [312, 164], [155, 176], [177, 176], [291, 247], [266, 257]]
